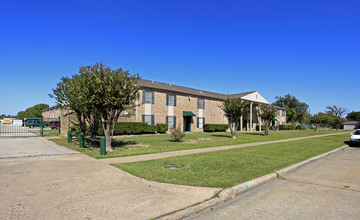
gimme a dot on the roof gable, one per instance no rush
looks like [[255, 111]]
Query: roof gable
[[255, 97]]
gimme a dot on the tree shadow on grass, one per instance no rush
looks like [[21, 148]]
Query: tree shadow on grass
[[120, 143], [221, 135], [255, 133]]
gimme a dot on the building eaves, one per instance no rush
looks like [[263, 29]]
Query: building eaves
[[351, 122], [180, 89]]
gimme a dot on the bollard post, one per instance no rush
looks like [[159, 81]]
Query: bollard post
[[59, 126], [81, 139], [102, 146], [42, 127], [69, 137]]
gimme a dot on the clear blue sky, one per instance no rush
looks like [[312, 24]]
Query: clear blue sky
[[308, 48]]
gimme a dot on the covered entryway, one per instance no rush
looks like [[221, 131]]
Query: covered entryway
[[187, 120]]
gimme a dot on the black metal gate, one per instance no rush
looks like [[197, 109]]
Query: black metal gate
[[29, 127], [21, 127]]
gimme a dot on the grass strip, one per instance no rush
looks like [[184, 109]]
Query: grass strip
[[231, 167], [157, 143]]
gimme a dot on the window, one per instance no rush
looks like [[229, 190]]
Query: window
[[283, 122], [148, 119], [201, 103], [278, 112], [171, 121], [283, 113], [170, 99], [200, 122], [148, 97], [277, 122]]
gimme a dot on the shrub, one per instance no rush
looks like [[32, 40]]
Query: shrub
[[262, 127], [287, 127], [215, 127], [122, 128], [300, 127], [176, 134], [162, 128]]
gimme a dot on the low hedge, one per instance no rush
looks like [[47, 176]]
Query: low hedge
[[287, 127], [300, 127], [162, 128], [262, 127], [215, 127], [122, 128]]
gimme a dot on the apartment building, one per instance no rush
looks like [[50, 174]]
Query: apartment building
[[186, 107]]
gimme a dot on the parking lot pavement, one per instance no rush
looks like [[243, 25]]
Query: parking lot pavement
[[326, 189], [30, 147], [79, 187]]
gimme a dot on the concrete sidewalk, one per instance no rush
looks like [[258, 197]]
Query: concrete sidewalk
[[200, 150], [79, 187]]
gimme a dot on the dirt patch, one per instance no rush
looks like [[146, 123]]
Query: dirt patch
[[131, 146], [199, 140]]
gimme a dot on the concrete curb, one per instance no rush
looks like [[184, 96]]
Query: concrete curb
[[243, 187], [313, 159]]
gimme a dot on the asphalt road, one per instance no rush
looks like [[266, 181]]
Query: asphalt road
[[326, 189]]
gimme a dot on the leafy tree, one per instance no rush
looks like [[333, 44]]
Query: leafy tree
[[322, 120], [113, 91], [353, 116], [291, 115], [336, 110], [33, 112], [290, 102], [68, 93], [267, 114], [233, 109], [98, 93], [337, 121]]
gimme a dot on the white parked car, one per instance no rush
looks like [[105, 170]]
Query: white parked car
[[355, 137]]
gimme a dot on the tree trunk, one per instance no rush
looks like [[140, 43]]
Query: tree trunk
[[266, 132], [316, 127], [232, 128], [107, 133]]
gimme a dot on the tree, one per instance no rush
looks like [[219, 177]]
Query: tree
[[234, 109], [337, 121], [290, 102], [336, 110], [323, 120], [291, 115], [113, 91], [267, 114], [33, 112], [68, 93], [353, 116], [98, 93]]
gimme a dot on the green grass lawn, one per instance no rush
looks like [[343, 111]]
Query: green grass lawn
[[156, 143], [52, 132], [231, 167]]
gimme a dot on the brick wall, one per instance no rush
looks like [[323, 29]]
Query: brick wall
[[212, 112]]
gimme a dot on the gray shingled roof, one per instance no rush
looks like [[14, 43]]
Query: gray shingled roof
[[180, 89], [186, 90]]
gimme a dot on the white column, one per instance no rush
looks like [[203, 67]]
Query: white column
[[241, 123], [251, 124], [259, 119]]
